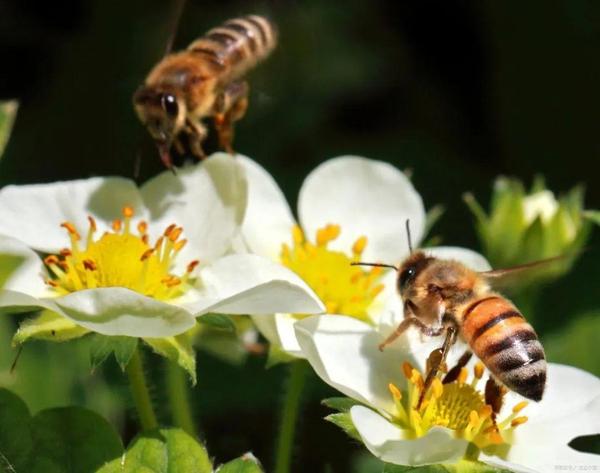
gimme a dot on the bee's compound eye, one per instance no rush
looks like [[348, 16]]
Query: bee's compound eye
[[406, 276], [169, 104]]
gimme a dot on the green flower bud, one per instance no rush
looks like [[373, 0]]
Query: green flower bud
[[523, 227]]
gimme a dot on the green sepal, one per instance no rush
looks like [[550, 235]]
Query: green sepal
[[59, 440], [177, 349], [102, 346], [162, 451], [464, 466], [48, 326], [218, 321], [340, 404], [8, 265], [247, 463], [344, 422]]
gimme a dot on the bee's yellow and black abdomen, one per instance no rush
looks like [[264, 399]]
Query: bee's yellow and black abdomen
[[499, 335], [238, 44]]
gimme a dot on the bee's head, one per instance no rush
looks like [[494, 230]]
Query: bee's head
[[409, 270], [162, 112]]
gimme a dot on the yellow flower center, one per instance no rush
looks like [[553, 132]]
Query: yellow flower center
[[344, 289], [457, 405], [120, 259]]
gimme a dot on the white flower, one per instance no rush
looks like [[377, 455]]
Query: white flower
[[533, 438], [150, 272], [349, 209]]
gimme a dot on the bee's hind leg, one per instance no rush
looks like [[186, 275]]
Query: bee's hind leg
[[436, 360], [231, 106], [452, 375], [494, 396]]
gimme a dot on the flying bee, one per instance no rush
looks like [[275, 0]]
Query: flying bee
[[205, 80], [445, 297]]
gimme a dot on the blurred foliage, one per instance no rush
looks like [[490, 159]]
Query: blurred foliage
[[457, 91], [8, 111]]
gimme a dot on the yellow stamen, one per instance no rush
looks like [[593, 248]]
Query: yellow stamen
[[397, 395], [518, 421], [359, 246], [519, 407], [119, 259]]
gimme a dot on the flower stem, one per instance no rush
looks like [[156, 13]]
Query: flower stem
[[139, 391], [289, 416], [178, 399]]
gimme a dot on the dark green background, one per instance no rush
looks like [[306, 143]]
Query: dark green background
[[457, 91]]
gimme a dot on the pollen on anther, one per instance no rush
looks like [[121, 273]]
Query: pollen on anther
[[51, 259], [397, 395], [169, 229], [178, 245], [116, 225], [518, 421], [65, 252], [359, 245], [89, 265], [142, 227], [297, 234], [146, 254], [192, 265], [127, 211], [175, 234], [92, 221], [520, 406], [71, 229], [462, 377], [478, 370], [407, 369]]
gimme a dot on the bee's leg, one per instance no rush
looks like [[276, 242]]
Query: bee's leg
[[494, 396], [231, 106], [407, 322], [452, 375], [436, 360], [178, 145], [196, 134]]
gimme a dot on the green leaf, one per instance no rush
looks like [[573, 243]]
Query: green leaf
[[341, 404], [218, 321], [8, 111], [344, 422], [66, 439], [103, 346], [245, 464], [48, 326], [162, 451], [178, 349], [464, 466]]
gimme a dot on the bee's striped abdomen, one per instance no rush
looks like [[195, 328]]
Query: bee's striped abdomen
[[238, 44], [499, 335]]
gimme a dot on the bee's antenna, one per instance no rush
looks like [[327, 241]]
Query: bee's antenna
[[378, 265], [410, 247]]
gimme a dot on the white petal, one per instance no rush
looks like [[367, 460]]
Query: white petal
[[387, 309], [21, 269], [365, 197], [250, 284], [469, 258], [269, 220], [550, 457], [120, 311], [33, 213], [12, 302], [207, 200], [266, 325], [387, 442], [344, 353], [286, 333]]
